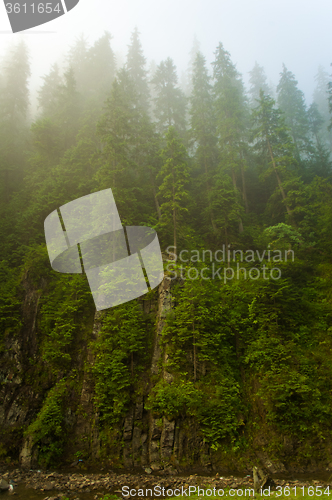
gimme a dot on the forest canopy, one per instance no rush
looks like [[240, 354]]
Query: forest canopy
[[212, 166]]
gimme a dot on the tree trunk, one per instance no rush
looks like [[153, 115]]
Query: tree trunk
[[226, 239], [234, 179], [244, 191], [6, 190], [174, 218], [235, 189], [208, 188], [195, 353], [156, 200], [278, 179]]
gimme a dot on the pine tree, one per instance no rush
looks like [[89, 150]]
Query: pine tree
[[291, 101], [148, 166], [136, 68], [77, 60], [60, 120], [273, 142], [320, 97], [14, 103], [101, 69], [318, 118], [226, 205], [321, 163], [118, 128], [15, 96], [258, 82], [195, 49], [93, 68], [174, 174], [48, 93], [129, 160], [68, 110], [203, 129], [329, 93], [170, 103], [232, 116]]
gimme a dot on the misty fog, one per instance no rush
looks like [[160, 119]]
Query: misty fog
[[269, 33]]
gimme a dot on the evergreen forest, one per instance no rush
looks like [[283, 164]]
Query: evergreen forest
[[237, 183]]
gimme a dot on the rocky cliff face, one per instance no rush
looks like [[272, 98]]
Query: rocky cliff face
[[159, 442], [39, 413], [18, 400], [140, 439]]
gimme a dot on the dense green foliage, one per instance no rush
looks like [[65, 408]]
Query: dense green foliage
[[122, 353], [48, 430], [248, 339]]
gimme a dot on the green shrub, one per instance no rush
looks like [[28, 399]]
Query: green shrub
[[48, 430]]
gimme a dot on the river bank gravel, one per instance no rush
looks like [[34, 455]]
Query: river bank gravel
[[80, 485]]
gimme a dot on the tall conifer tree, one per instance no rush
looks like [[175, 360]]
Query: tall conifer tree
[[77, 60], [49, 91], [195, 49], [273, 142], [170, 103], [232, 115], [14, 103], [257, 82], [291, 101], [320, 97], [136, 68], [93, 67], [321, 163], [68, 110], [174, 174], [101, 68], [59, 121], [203, 129]]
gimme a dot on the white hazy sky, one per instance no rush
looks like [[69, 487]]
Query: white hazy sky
[[271, 32]]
